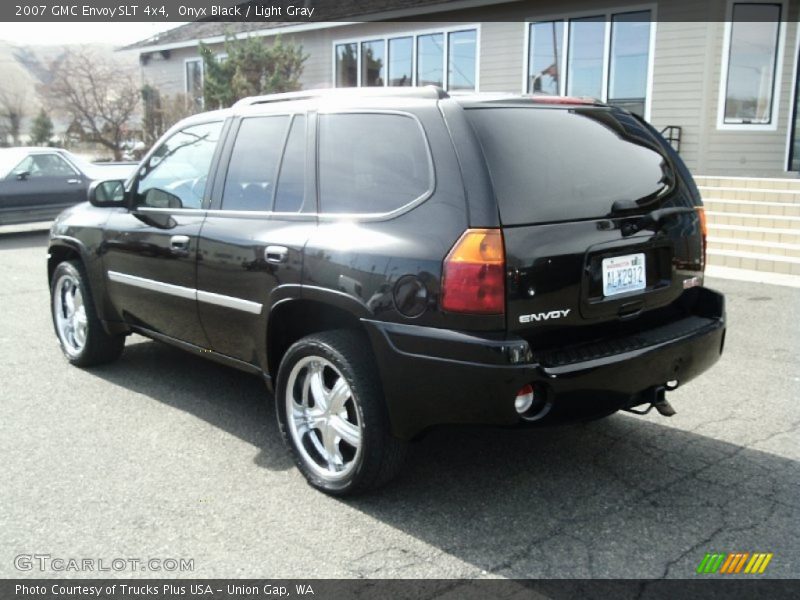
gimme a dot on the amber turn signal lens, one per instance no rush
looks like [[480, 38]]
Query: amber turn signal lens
[[701, 212], [478, 246]]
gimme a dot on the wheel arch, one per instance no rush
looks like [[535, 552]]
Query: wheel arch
[[61, 250], [64, 248], [316, 310]]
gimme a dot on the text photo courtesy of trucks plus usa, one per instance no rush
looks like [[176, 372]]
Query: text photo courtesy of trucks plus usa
[[474, 298], [163, 590]]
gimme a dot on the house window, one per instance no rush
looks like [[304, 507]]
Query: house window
[[430, 57], [752, 57], [448, 59], [585, 58], [461, 52], [630, 53], [544, 57], [401, 61], [794, 121], [194, 83], [373, 63], [346, 65], [604, 56]]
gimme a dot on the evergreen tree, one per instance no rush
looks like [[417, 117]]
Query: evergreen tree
[[41, 129], [250, 67]]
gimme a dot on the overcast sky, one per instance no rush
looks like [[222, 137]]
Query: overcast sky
[[119, 34]]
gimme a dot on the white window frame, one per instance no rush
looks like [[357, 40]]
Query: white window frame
[[726, 54], [607, 14], [222, 56], [414, 34], [186, 61]]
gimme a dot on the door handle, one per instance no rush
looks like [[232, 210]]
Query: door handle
[[276, 254], [73, 180], [179, 242]]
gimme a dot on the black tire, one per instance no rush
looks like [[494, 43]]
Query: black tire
[[97, 347], [381, 455]]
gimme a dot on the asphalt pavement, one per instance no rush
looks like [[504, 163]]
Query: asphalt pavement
[[163, 455]]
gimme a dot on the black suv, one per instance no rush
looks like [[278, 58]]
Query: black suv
[[390, 260]]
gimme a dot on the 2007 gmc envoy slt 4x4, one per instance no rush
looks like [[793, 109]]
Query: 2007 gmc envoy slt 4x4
[[389, 260]]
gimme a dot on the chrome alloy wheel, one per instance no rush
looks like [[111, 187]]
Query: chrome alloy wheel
[[323, 418], [70, 315]]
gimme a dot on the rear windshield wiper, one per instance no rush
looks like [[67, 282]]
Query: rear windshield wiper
[[629, 205], [668, 186], [653, 218]]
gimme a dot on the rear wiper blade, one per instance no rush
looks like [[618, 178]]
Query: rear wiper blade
[[629, 205], [654, 217], [668, 183]]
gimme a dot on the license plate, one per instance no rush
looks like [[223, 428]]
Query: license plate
[[623, 274]]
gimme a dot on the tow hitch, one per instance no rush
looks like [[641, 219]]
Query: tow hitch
[[656, 396]]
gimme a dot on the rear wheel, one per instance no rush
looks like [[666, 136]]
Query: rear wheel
[[332, 414], [80, 333]]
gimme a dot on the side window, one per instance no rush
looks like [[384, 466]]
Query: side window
[[52, 165], [290, 192], [175, 176], [253, 167], [44, 165], [26, 166], [371, 162]]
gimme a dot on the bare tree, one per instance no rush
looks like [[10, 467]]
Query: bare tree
[[99, 95], [162, 112], [13, 108]]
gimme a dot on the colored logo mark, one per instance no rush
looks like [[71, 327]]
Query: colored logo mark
[[735, 563]]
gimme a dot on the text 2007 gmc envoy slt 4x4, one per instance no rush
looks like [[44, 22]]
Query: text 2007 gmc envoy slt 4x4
[[390, 260]]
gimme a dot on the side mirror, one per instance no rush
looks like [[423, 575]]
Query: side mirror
[[23, 176], [158, 198], [107, 193]]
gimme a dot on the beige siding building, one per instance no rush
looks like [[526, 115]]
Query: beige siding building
[[722, 74]]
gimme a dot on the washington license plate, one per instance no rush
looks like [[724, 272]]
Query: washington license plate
[[623, 274]]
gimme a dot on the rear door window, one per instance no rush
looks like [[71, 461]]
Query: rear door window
[[371, 162], [253, 166], [551, 164], [290, 192]]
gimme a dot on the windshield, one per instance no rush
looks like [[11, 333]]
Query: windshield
[[566, 164], [10, 159]]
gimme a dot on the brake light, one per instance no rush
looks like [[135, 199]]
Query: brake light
[[701, 212], [473, 278], [548, 99]]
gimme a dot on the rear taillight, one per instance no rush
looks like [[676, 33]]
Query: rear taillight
[[474, 274], [701, 212]]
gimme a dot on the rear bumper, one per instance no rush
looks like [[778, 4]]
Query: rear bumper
[[434, 376]]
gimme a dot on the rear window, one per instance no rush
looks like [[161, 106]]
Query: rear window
[[566, 164]]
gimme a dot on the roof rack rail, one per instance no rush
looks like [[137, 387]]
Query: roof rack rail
[[515, 97], [428, 91]]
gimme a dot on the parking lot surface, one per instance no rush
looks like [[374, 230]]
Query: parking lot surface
[[166, 455]]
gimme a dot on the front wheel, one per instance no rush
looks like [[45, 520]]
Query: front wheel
[[332, 414], [80, 333]]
